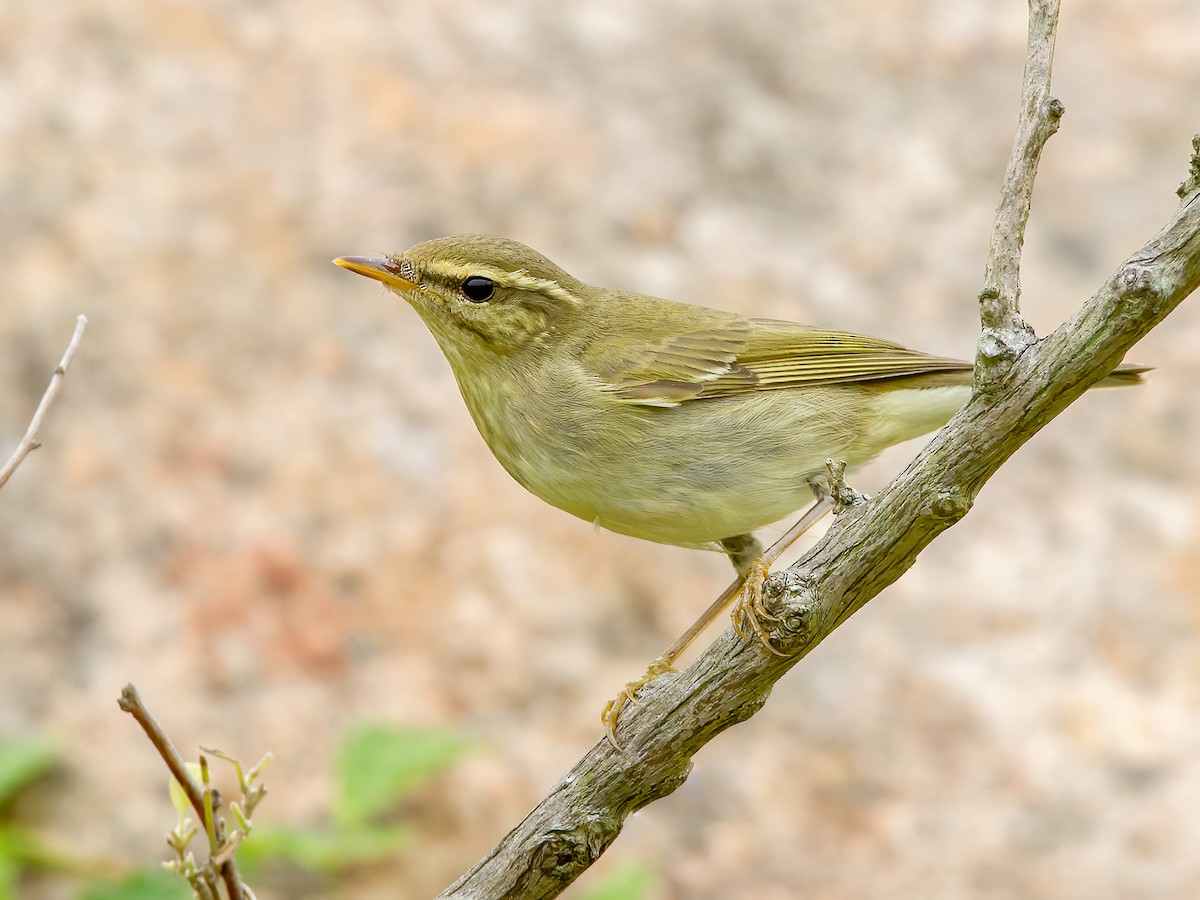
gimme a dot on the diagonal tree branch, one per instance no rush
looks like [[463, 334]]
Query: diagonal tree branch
[[1023, 384]]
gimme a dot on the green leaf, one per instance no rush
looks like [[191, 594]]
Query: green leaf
[[20, 765], [310, 849], [26, 849], [143, 885], [631, 881], [8, 876], [379, 764], [179, 797]]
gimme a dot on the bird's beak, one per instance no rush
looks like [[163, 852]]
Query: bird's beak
[[378, 267]]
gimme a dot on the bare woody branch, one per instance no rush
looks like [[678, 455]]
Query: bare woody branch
[[870, 545], [29, 442], [1004, 331]]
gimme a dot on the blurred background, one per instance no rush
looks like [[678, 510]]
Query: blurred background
[[261, 499]]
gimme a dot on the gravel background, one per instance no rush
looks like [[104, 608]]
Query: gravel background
[[262, 501]]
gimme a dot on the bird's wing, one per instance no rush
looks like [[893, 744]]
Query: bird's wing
[[738, 356], [672, 367]]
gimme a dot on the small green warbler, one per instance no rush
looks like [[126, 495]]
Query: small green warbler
[[662, 420]]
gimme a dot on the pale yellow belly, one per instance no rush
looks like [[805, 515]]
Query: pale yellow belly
[[709, 469]]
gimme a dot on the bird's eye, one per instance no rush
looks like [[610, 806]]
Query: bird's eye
[[478, 289]]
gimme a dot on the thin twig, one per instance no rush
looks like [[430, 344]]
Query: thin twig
[[29, 443], [131, 702], [1005, 333]]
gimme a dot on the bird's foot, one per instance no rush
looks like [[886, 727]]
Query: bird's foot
[[750, 608], [628, 695]]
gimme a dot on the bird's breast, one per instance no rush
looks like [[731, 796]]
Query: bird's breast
[[691, 474]]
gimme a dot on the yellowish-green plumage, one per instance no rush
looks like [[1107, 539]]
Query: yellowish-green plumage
[[662, 420]]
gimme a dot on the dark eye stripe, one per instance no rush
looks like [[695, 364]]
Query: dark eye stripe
[[478, 289]]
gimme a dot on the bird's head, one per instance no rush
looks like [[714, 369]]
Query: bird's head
[[482, 297]]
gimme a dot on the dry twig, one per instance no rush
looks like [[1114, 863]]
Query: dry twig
[[29, 443], [201, 800]]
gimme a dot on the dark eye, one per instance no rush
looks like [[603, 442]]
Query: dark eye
[[478, 289]]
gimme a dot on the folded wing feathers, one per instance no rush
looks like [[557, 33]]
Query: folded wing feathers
[[740, 359]]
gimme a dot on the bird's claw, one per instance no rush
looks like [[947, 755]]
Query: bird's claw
[[751, 607], [628, 695]]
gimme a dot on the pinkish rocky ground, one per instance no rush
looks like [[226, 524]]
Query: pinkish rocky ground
[[261, 500]]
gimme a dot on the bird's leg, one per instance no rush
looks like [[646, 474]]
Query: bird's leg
[[751, 605], [666, 662], [753, 565], [743, 551]]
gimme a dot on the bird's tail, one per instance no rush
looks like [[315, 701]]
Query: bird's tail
[[1124, 375]]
